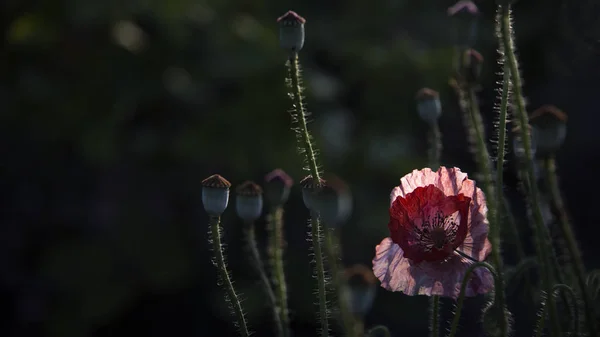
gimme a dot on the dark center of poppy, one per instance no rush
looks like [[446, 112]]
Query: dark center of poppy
[[436, 232], [438, 237], [427, 224]]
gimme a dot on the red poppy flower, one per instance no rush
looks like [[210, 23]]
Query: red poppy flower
[[438, 227]]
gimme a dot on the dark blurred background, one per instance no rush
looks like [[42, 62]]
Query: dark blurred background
[[112, 112]]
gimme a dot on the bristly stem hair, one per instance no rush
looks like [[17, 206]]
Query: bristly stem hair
[[260, 269], [306, 147], [569, 236], [549, 298], [476, 135], [504, 211], [276, 243], [544, 246], [232, 297]]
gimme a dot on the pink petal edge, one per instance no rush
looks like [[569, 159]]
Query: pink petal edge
[[396, 273]]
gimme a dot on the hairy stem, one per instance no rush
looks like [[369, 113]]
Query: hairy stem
[[544, 245], [435, 146], [567, 233], [463, 287], [502, 202], [307, 148], [315, 232], [486, 169], [232, 297], [550, 299], [349, 324], [260, 269], [305, 138], [275, 230]]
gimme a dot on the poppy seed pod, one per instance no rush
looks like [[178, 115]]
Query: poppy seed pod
[[291, 31], [333, 202], [249, 201], [308, 191], [277, 187], [429, 105], [215, 194], [549, 129], [359, 289]]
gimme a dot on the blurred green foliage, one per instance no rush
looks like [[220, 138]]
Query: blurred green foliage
[[130, 104]]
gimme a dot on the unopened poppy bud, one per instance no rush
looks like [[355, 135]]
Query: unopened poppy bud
[[549, 128], [429, 105], [291, 31], [249, 201], [333, 202], [466, 14], [463, 8], [277, 187], [215, 194], [472, 63], [308, 190], [359, 289]]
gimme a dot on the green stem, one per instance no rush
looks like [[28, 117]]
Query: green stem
[[435, 316], [486, 169], [275, 229], [232, 296], [463, 287], [544, 243], [350, 325], [501, 152], [307, 147], [435, 146], [502, 143], [306, 144], [260, 269], [569, 236], [315, 231]]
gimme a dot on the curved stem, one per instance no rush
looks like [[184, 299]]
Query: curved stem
[[260, 269], [232, 296], [307, 148], [275, 229], [521, 268], [544, 243], [542, 314], [567, 232], [463, 287]]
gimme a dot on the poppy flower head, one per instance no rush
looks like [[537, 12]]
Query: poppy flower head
[[427, 224], [438, 227]]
